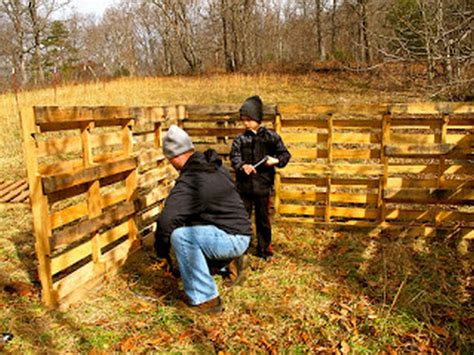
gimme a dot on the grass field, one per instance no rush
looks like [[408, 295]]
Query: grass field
[[325, 291]]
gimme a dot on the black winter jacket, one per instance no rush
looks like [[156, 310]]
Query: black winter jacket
[[203, 194], [250, 148]]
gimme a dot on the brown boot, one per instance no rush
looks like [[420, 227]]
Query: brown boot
[[209, 307], [237, 270]]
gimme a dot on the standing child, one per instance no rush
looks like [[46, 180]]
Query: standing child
[[254, 155]]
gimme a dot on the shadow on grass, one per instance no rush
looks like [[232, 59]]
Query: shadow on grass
[[424, 281]]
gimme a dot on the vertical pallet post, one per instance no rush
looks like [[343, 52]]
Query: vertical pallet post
[[131, 181], [93, 194], [327, 211], [39, 204], [182, 115], [276, 204], [440, 138], [386, 122]]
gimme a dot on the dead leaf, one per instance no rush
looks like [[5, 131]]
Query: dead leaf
[[128, 344], [19, 288], [440, 331], [345, 348]]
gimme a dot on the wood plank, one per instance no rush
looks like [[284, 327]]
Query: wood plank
[[372, 109], [305, 137], [60, 167], [54, 114], [301, 210], [6, 191], [148, 217], [321, 153], [431, 108], [68, 215], [214, 132], [39, 207], [302, 195], [339, 169], [113, 234], [73, 283], [59, 146], [23, 197], [152, 197], [106, 139], [354, 212], [58, 182], [397, 182], [88, 227], [113, 198], [400, 138], [154, 176], [440, 196], [430, 169], [63, 261], [352, 197], [152, 155], [419, 150], [12, 194], [199, 112], [356, 137]]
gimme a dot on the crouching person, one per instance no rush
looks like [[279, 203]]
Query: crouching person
[[203, 219]]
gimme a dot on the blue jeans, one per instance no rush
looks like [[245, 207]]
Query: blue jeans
[[193, 246]]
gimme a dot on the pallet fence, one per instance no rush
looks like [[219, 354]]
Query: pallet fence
[[98, 178]]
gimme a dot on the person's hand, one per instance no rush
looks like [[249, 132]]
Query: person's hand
[[271, 161], [249, 169]]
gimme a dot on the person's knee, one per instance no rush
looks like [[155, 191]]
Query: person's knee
[[180, 236]]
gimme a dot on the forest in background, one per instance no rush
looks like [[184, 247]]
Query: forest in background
[[430, 40]]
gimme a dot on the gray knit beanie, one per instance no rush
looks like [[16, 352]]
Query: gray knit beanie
[[252, 108], [176, 142]]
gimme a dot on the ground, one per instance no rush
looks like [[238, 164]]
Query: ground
[[325, 291]]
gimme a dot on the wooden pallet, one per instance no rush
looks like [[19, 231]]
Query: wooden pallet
[[14, 191]]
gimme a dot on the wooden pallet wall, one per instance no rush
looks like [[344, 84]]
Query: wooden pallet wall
[[378, 165], [84, 176]]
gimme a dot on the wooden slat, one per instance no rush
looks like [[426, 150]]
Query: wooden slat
[[429, 169], [214, 132], [61, 262], [314, 137], [6, 192], [397, 182], [368, 109], [339, 169], [301, 210], [13, 193], [355, 137], [354, 212], [59, 146], [157, 194], [346, 197], [106, 139], [302, 195], [397, 138], [419, 150], [153, 176], [68, 215], [61, 167], [113, 234], [431, 108], [320, 153], [63, 181], [440, 196], [90, 226], [200, 112], [150, 156], [113, 198], [53, 114]]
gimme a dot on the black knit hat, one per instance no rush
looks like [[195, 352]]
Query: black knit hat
[[253, 108]]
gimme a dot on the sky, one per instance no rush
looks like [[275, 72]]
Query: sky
[[96, 7]]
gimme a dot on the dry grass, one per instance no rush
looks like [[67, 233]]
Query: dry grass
[[334, 292], [308, 89], [323, 292]]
